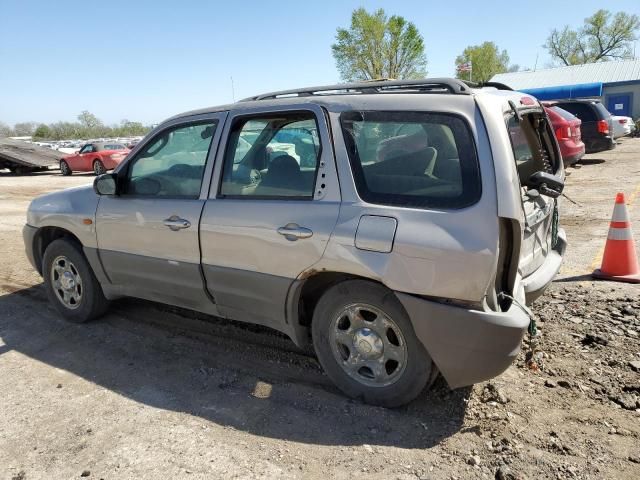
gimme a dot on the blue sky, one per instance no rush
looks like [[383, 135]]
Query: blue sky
[[147, 60]]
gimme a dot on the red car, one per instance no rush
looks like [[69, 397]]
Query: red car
[[567, 128], [97, 157]]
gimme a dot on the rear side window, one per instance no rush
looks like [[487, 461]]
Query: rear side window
[[602, 110], [412, 159]]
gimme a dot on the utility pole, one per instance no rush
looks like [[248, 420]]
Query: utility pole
[[233, 93]]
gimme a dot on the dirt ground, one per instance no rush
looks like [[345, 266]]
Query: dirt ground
[[152, 392]]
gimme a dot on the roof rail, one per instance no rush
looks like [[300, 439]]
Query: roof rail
[[496, 85], [425, 85]]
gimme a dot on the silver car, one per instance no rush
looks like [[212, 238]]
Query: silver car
[[399, 226]]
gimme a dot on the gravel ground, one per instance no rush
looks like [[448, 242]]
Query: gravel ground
[[154, 392]]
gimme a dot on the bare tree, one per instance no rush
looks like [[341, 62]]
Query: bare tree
[[602, 37]]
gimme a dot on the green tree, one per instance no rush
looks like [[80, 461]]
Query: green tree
[[602, 37], [376, 46], [486, 60], [89, 120], [43, 131]]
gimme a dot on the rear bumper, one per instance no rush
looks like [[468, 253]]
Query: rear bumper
[[572, 159], [536, 283], [467, 346], [599, 144], [572, 152]]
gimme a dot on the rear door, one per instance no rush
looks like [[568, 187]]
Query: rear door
[[273, 205], [534, 150]]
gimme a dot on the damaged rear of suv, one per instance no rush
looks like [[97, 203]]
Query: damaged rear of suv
[[400, 227]]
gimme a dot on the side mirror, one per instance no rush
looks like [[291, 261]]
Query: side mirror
[[105, 184], [546, 183]]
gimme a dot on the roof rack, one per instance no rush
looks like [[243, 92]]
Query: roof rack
[[425, 85], [496, 85]]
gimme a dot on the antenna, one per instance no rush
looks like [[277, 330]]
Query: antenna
[[233, 93]]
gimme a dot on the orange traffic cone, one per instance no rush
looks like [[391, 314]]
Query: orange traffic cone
[[619, 262]]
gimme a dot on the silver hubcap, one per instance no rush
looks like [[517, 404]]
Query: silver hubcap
[[368, 345], [66, 282]]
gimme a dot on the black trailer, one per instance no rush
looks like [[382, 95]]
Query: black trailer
[[23, 157]]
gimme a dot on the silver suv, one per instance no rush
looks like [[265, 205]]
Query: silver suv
[[399, 226]]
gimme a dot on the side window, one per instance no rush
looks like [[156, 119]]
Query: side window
[[172, 164], [412, 159], [272, 156], [87, 149]]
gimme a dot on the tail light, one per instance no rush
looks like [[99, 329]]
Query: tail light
[[603, 127], [563, 133]]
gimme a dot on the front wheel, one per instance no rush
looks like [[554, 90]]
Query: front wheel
[[70, 282], [64, 168], [366, 344], [98, 167]]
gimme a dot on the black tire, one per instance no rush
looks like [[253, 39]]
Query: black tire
[[92, 303], [98, 167], [419, 367], [65, 169]]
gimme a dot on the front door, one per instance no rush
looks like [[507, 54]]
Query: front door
[[619, 104], [78, 162], [148, 234], [273, 206]]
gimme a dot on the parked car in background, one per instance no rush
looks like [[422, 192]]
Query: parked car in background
[[395, 242], [596, 123], [568, 133], [97, 157], [622, 126]]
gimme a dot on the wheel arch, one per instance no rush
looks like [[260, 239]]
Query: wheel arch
[[304, 296], [43, 238]]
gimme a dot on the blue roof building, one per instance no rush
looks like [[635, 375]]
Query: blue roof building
[[615, 83]]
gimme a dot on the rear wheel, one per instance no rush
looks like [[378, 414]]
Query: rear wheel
[[70, 283], [64, 168], [98, 167], [366, 344]]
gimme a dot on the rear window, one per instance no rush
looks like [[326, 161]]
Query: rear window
[[563, 113], [412, 159], [583, 111]]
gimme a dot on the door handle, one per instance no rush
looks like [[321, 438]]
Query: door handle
[[293, 231], [176, 223]]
